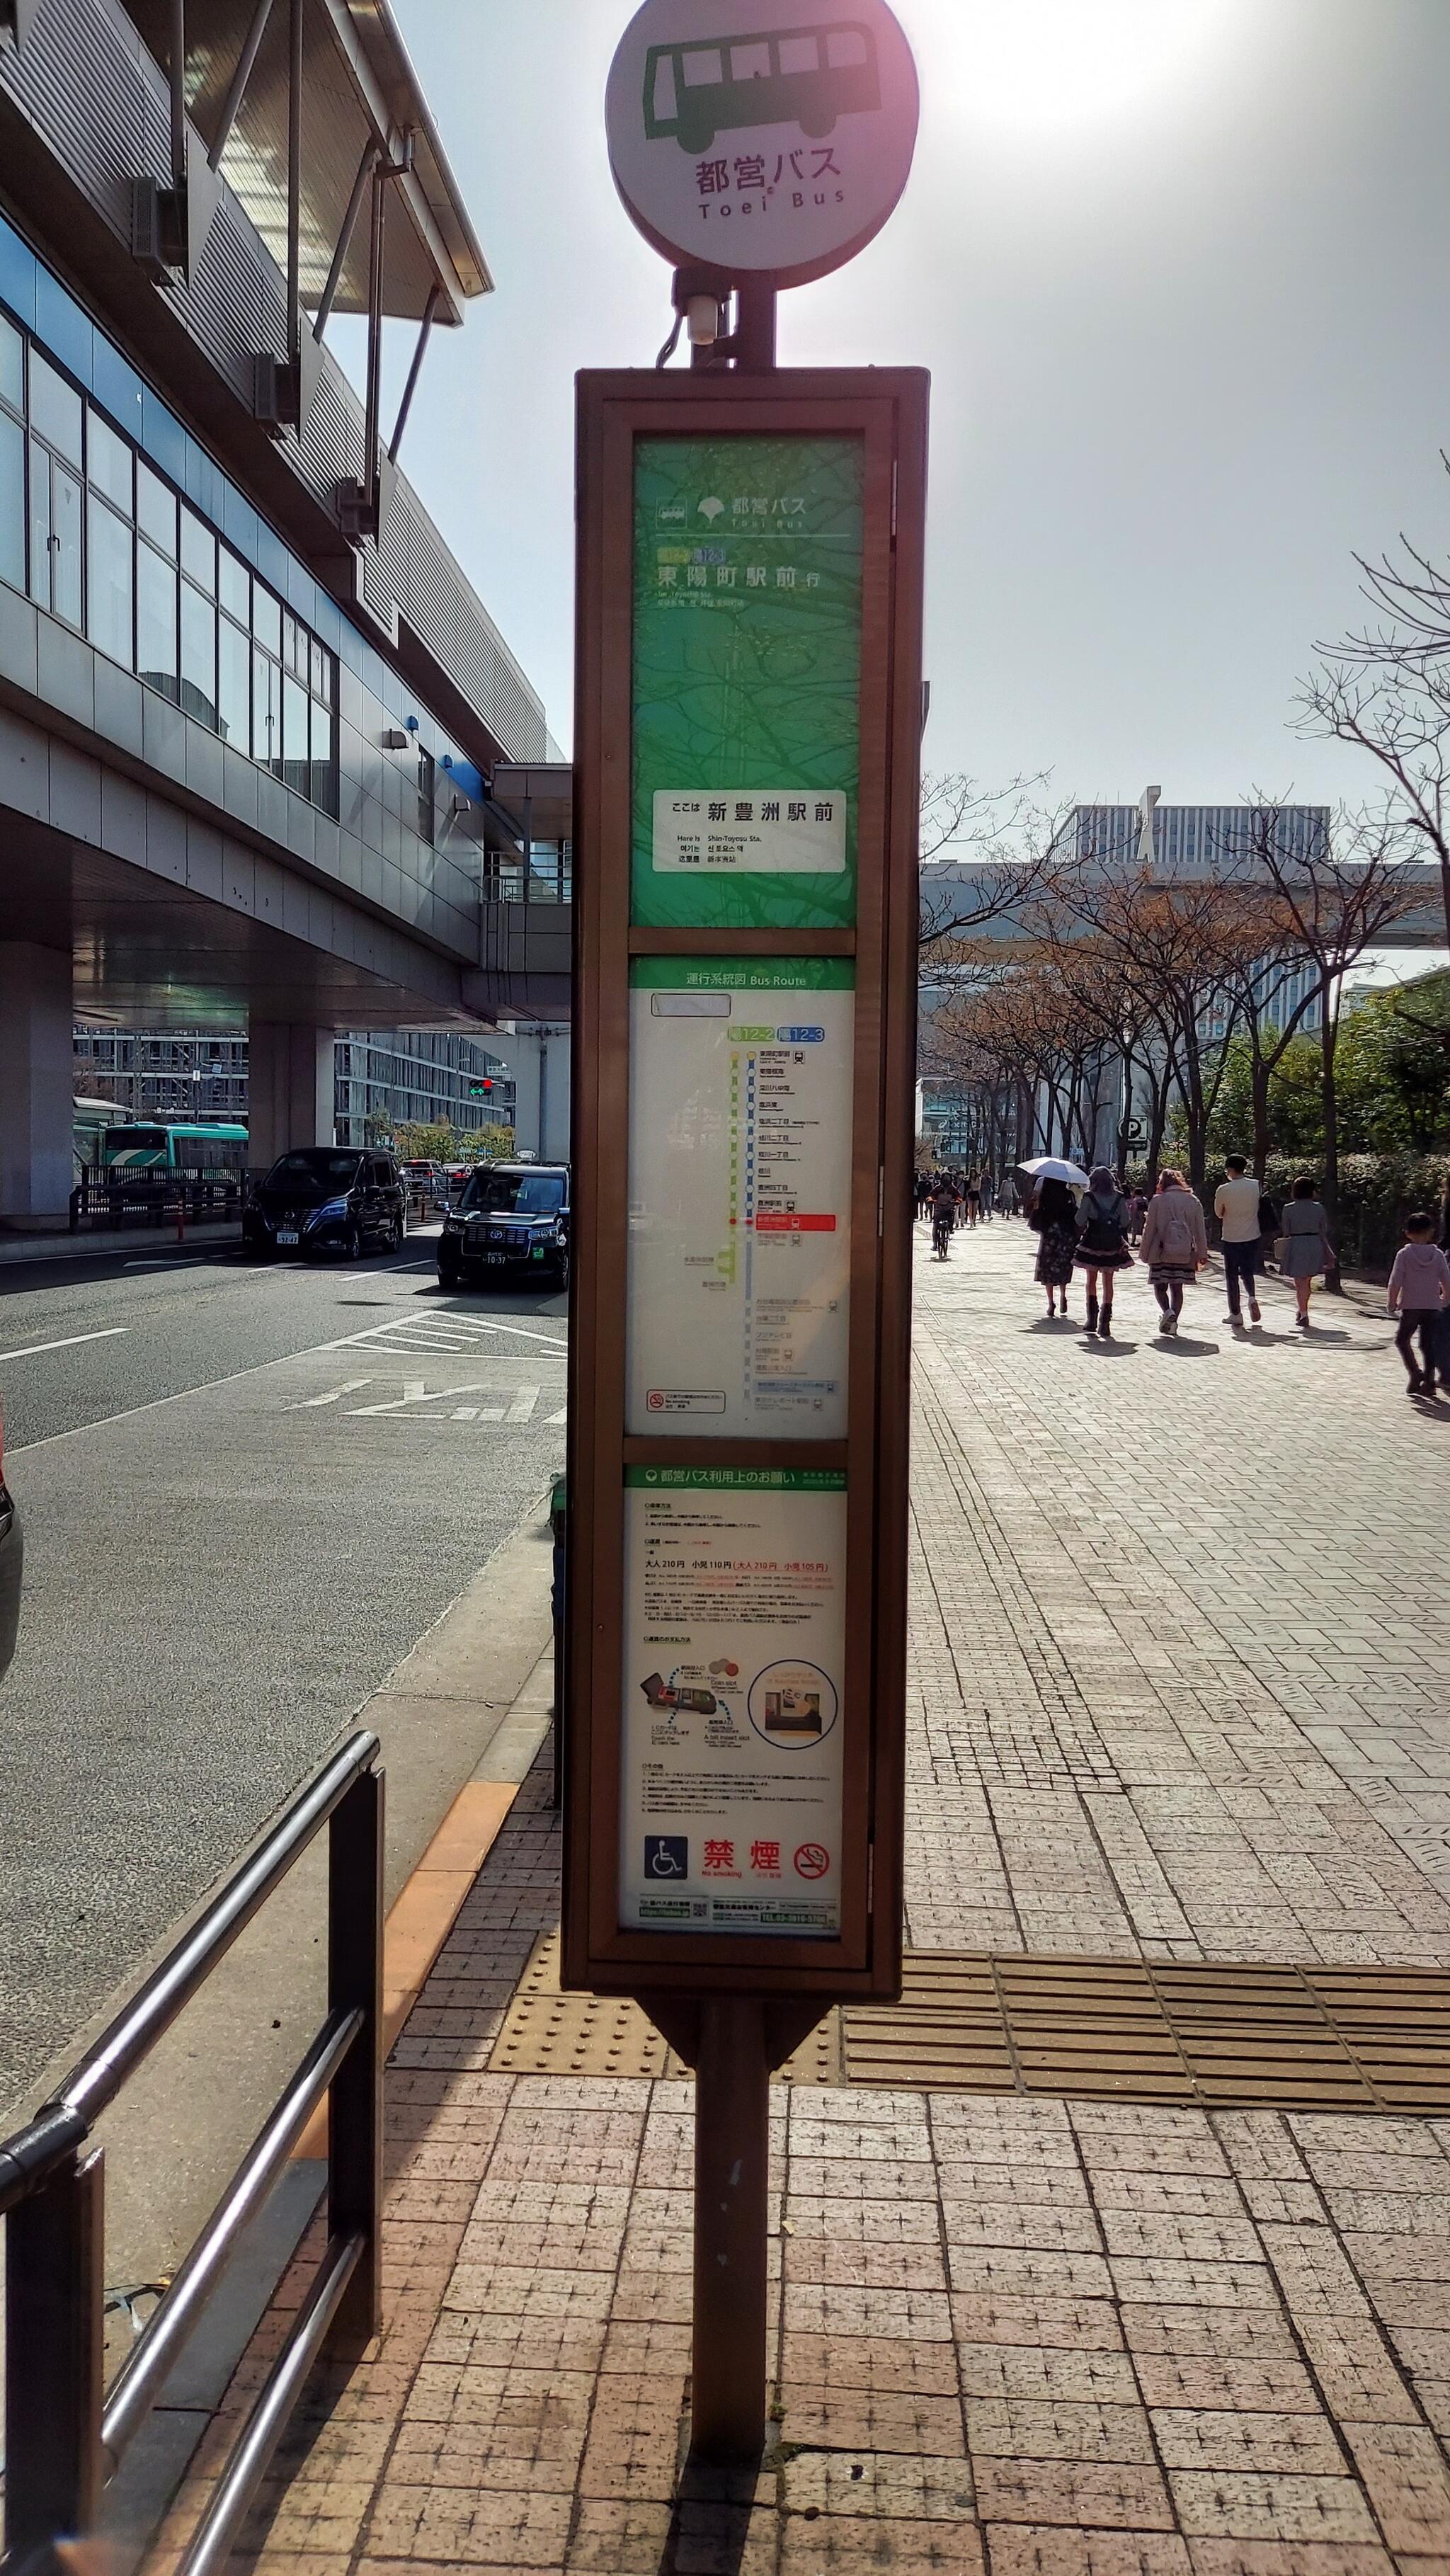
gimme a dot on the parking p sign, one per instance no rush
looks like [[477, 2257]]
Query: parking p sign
[[768, 137]]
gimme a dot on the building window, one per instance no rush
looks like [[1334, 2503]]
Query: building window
[[198, 656], [55, 533], [296, 753], [102, 540], [55, 409], [426, 800], [156, 621], [110, 600], [12, 457]]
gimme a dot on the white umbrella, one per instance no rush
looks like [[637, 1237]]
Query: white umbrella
[[1051, 1167]]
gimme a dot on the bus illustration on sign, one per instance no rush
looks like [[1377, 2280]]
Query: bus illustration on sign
[[805, 76]]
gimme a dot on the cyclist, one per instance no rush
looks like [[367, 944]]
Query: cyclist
[[943, 1217]]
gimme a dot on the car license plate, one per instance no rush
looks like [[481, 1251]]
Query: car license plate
[[495, 1256], [285, 1238]]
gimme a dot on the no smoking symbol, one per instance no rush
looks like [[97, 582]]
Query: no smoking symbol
[[812, 1860]]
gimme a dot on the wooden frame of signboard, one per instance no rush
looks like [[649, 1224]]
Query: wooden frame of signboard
[[886, 410]]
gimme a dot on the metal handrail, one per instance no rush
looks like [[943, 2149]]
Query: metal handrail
[[170, 1987], [267, 2422], [61, 2442], [165, 2332]]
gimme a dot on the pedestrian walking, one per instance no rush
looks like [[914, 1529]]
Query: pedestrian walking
[[974, 1197], [1007, 1197], [1174, 1244], [989, 1195], [1236, 1204], [1102, 1245], [1054, 1222], [1304, 1250], [1419, 1293], [1137, 1210]]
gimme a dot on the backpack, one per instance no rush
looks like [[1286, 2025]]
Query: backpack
[[1175, 1236]]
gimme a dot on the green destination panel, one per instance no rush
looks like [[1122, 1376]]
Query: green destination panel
[[747, 674]]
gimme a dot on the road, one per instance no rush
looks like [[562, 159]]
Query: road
[[246, 1493]]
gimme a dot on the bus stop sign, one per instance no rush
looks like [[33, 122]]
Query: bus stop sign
[[765, 137]]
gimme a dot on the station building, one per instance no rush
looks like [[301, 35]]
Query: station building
[[265, 760], [382, 1078]]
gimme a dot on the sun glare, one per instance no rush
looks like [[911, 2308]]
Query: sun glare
[[1045, 63]]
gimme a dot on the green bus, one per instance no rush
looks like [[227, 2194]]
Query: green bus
[[806, 76], [175, 1145]]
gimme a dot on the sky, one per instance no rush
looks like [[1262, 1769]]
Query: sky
[[1178, 270]]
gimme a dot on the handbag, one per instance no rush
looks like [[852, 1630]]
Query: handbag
[[1281, 1249]]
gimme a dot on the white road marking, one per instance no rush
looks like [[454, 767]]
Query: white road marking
[[349, 1386], [561, 1416], [69, 1344], [424, 1324], [233, 1377], [414, 1392], [520, 1409]]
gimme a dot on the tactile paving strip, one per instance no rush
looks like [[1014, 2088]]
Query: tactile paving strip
[[546, 2033], [1212, 2034]]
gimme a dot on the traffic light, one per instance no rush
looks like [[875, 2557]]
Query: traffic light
[[481, 1090]]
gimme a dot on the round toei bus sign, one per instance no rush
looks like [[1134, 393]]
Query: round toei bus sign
[[770, 137]]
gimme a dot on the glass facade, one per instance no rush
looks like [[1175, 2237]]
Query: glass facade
[[383, 1078], [102, 540], [400, 827]]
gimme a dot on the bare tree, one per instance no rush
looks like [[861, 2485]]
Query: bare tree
[[1165, 940], [1335, 895], [1014, 1046], [1386, 689], [1008, 846]]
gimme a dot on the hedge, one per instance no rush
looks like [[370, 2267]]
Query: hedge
[[1376, 1194]]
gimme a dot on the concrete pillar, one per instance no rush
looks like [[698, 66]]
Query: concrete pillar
[[37, 1089], [290, 1088], [538, 1058]]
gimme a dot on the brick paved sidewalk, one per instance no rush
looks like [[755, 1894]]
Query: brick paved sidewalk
[[1181, 1657]]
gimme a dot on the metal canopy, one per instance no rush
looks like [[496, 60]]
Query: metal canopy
[[537, 797], [358, 89]]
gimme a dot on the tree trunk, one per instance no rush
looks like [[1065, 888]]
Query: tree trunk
[[1261, 1117], [1328, 1045], [1159, 1122]]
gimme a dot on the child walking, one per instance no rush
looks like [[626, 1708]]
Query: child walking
[[1419, 1291]]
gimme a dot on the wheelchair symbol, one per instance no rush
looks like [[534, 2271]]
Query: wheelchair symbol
[[666, 1856]]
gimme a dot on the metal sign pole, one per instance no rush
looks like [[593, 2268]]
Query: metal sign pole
[[732, 2193]]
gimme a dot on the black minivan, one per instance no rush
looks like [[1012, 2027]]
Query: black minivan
[[512, 1218], [323, 1198]]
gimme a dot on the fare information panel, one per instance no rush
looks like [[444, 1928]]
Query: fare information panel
[[730, 1818], [739, 1195]]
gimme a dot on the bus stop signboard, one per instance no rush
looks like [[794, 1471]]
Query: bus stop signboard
[[748, 716], [746, 783], [770, 136]]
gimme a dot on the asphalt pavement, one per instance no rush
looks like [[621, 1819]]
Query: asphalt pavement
[[247, 1491]]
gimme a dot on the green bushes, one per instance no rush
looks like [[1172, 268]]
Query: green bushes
[[1376, 1194]]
